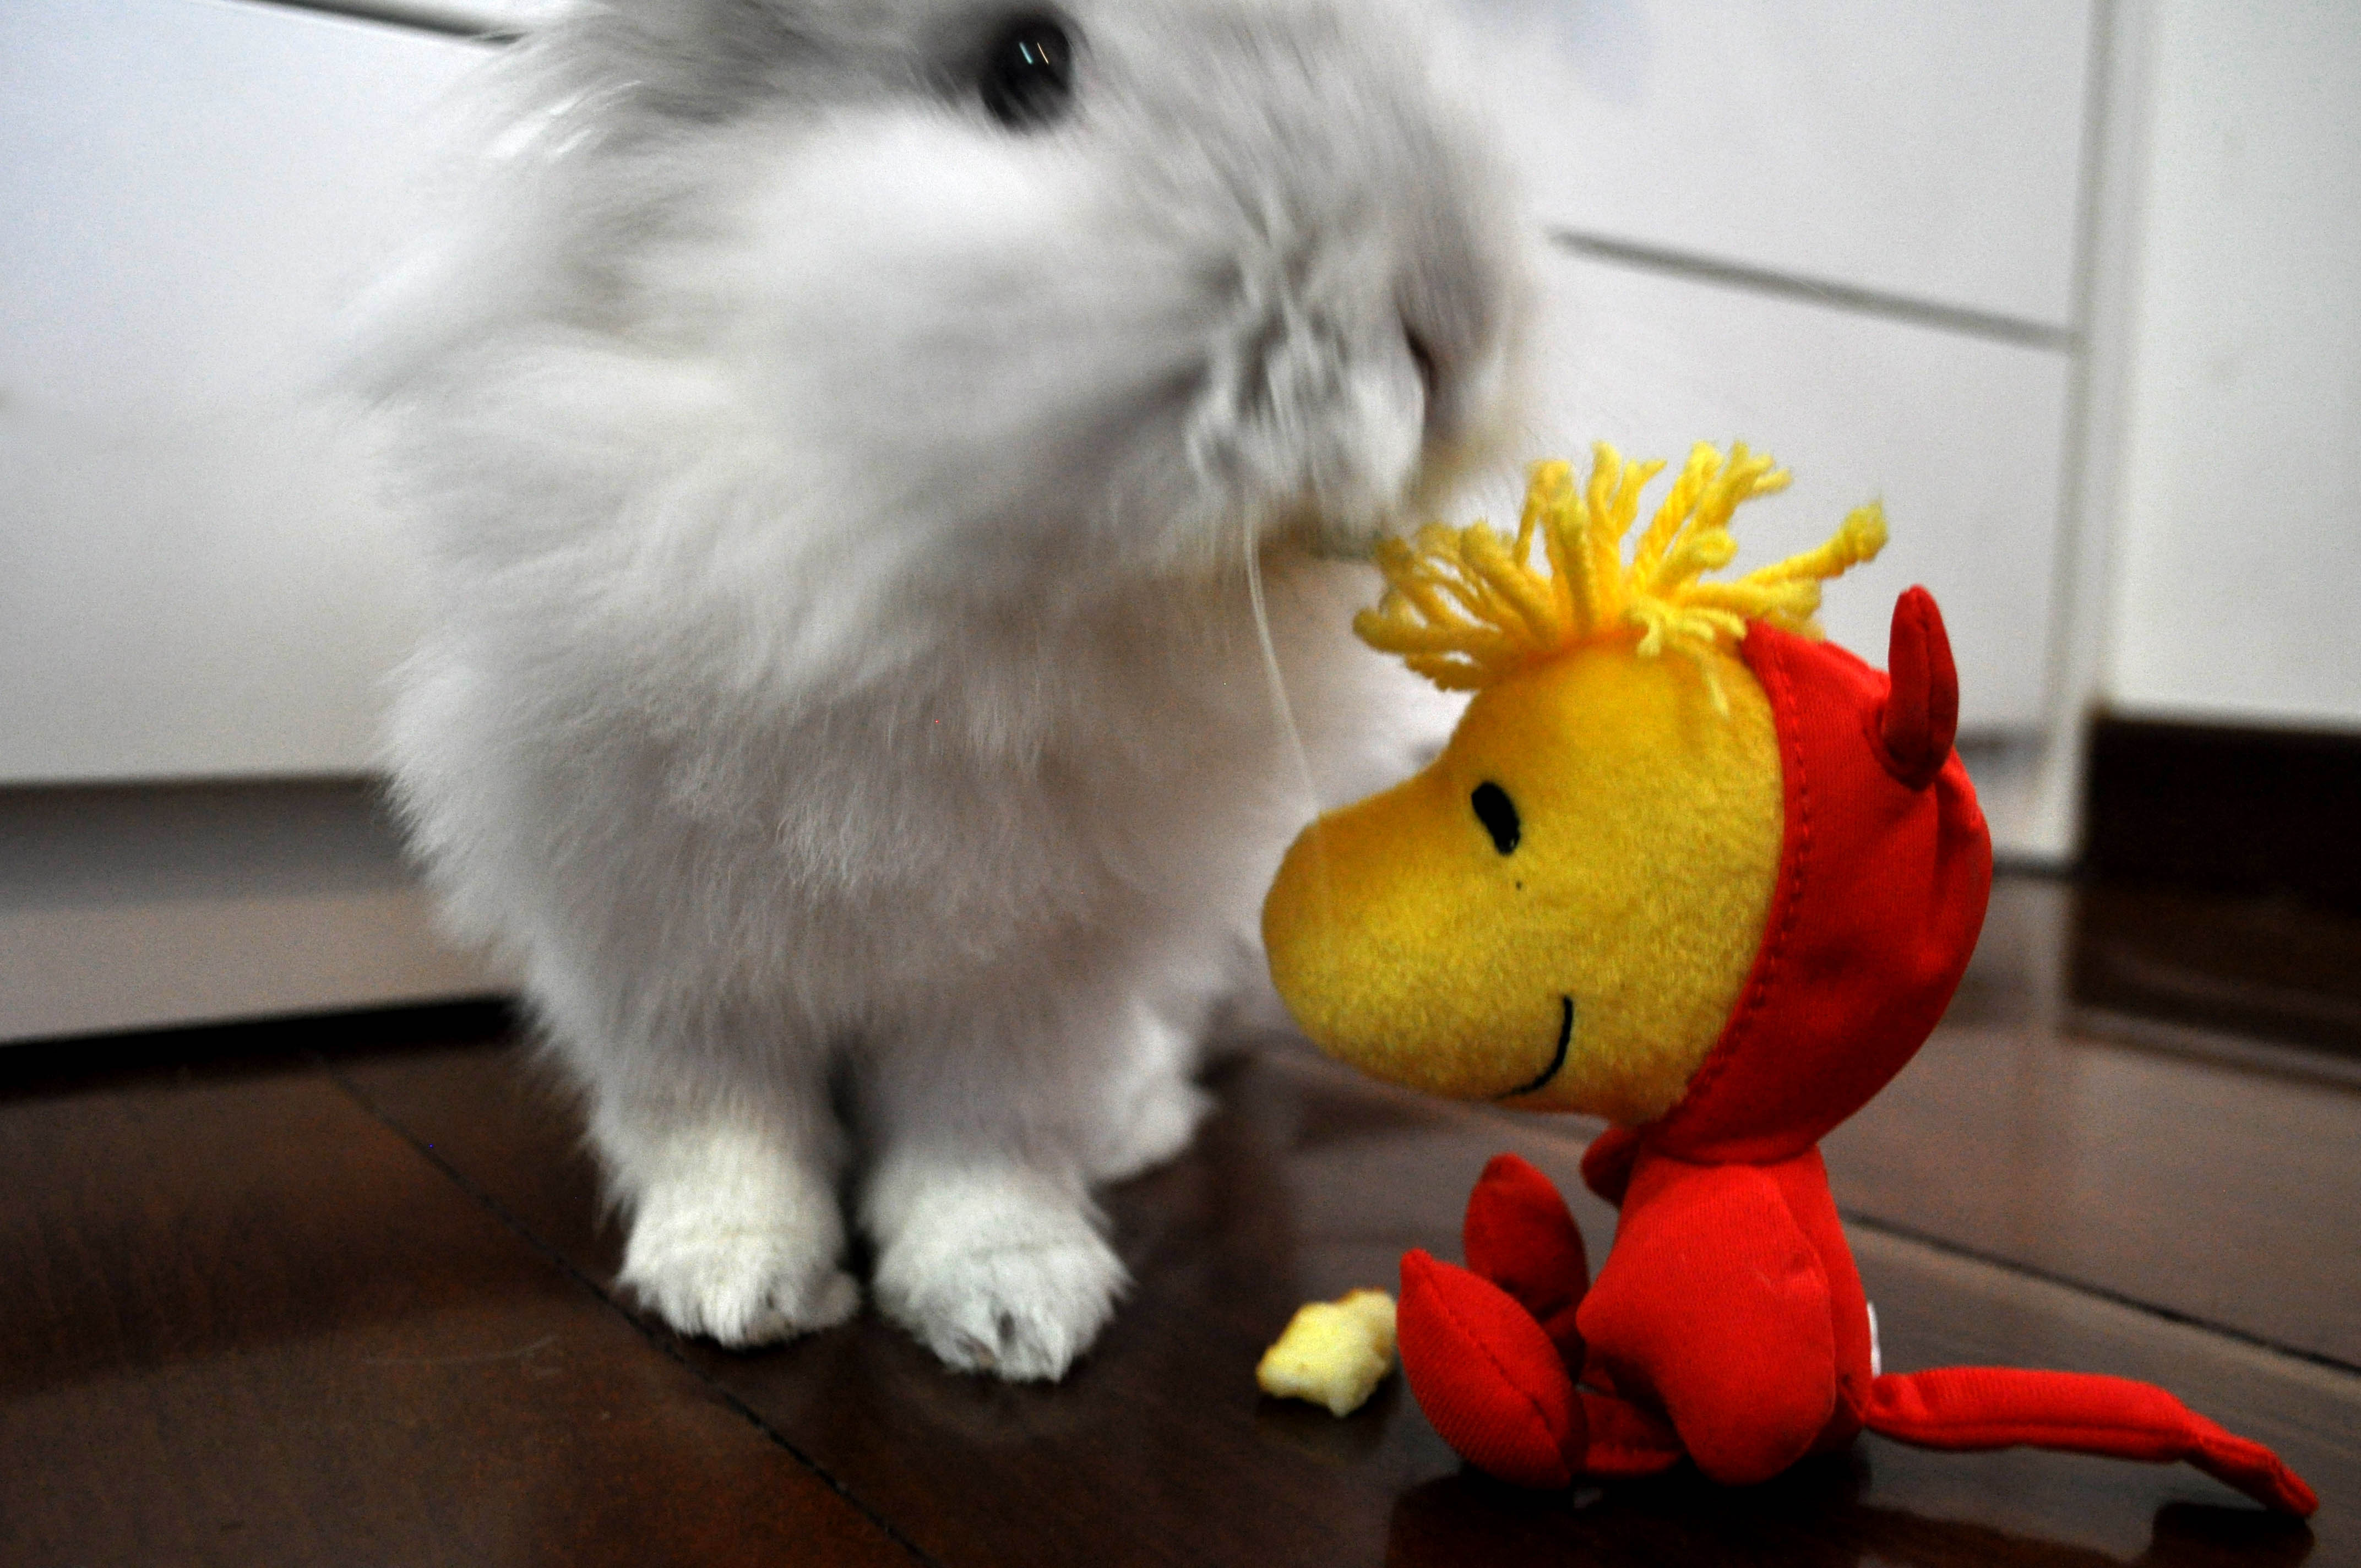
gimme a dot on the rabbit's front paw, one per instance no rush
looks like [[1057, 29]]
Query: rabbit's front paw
[[1149, 1128], [1004, 1279], [715, 1276]]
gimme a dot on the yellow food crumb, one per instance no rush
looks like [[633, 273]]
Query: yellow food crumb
[[1334, 1353]]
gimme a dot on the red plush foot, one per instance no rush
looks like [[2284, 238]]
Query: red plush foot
[[1487, 1375], [1520, 1235], [1625, 1440]]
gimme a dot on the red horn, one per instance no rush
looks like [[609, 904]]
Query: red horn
[[1922, 711]]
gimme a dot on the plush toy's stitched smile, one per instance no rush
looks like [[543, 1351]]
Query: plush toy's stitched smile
[[1564, 1035]]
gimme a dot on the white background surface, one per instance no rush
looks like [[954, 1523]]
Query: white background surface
[[136, 909], [197, 582], [1931, 150], [2238, 569], [194, 577], [1863, 246], [1960, 436]]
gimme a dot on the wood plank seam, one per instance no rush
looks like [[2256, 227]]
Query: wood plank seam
[[659, 1343], [2097, 1292], [1573, 1141], [2216, 1048]]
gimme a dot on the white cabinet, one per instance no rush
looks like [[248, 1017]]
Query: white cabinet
[[1960, 436], [195, 579], [2237, 572], [1848, 233], [1860, 236], [1932, 151]]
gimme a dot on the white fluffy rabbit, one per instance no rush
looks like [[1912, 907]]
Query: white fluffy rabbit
[[845, 431]]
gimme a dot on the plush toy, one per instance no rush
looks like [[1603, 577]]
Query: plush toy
[[1689, 868]]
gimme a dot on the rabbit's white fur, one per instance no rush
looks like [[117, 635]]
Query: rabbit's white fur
[[844, 696]]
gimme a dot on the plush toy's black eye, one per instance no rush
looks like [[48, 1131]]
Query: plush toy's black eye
[[1028, 72], [1497, 813]]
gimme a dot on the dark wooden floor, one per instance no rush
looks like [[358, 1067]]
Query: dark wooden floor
[[345, 1301]]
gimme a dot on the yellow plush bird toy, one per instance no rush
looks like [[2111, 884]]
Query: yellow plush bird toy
[[1687, 867], [1560, 912]]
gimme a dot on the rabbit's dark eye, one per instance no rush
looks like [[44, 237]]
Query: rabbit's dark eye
[[1028, 72], [1497, 813]]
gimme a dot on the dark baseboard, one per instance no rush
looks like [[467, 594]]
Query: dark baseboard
[[45, 1066], [2264, 813], [2222, 882], [2227, 966]]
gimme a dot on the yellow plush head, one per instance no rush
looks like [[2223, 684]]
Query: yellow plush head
[[1561, 910]]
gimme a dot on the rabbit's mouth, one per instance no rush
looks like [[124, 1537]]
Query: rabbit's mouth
[[1350, 535], [1334, 418], [1320, 431], [1326, 536]]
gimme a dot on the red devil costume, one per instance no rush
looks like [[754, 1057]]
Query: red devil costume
[[1728, 1324]]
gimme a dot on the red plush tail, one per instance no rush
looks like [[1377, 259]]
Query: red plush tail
[[2002, 1406]]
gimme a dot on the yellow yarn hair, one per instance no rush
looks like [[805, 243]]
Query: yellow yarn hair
[[1465, 608]]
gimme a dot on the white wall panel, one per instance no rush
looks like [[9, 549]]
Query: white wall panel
[[1931, 150], [1960, 436], [194, 577], [2238, 547], [133, 908]]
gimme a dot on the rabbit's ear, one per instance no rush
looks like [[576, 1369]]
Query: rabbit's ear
[[1922, 710]]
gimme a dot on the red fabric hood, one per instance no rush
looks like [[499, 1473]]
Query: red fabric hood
[[1884, 874]]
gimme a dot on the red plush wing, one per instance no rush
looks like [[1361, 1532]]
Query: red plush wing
[[1487, 1375], [1607, 1163], [1714, 1301], [1520, 1235]]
